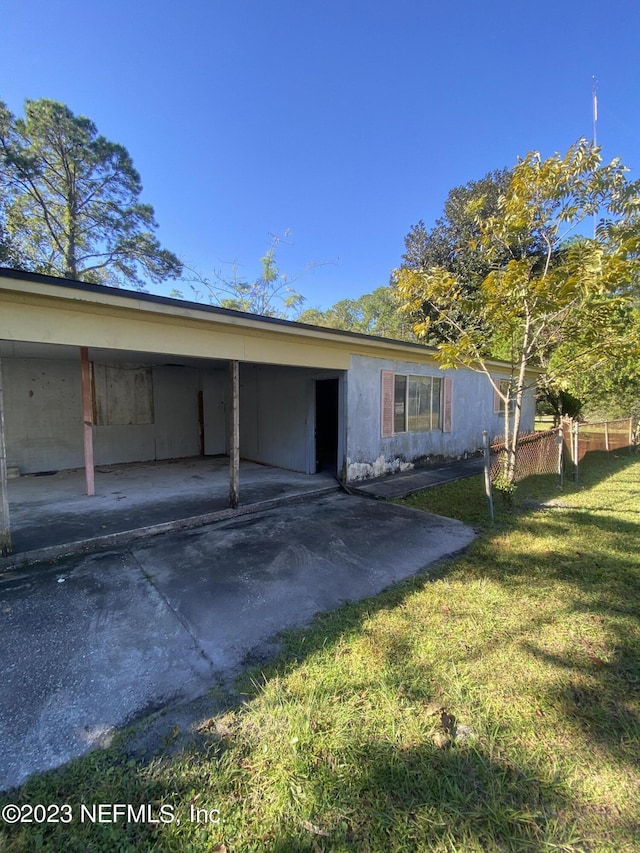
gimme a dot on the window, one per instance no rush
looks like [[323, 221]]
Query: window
[[415, 403], [424, 403], [498, 402], [400, 404]]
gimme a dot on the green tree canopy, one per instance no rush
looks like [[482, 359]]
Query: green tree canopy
[[72, 200], [601, 378], [452, 242], [373, 313], [548, 286], [449, 244]]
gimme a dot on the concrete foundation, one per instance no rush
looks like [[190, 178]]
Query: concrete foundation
[[54, 510]]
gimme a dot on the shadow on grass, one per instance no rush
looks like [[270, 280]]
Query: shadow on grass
[[421, 798], [399, 797], [395, 794]]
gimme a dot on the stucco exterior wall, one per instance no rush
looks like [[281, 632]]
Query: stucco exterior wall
[[370, 455]]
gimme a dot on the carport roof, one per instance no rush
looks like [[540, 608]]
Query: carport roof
[[40, 308], [153, 299], [108, 295]]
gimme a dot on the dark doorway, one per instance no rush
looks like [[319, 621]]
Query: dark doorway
[[327, 425]]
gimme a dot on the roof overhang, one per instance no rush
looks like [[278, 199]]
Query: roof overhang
[[44, 309]]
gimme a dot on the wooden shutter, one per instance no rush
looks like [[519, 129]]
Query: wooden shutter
[[447, 404], [386, 403]]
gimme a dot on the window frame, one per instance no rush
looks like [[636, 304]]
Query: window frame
[[498, 402], [392, 408]]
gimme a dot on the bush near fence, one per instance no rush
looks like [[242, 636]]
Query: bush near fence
[[545, 452]]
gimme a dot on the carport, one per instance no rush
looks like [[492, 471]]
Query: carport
[[95, 377]]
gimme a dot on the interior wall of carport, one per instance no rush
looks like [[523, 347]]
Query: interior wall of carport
[[43, 416], [277, 415]]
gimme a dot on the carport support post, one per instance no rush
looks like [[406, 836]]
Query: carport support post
[[5, 527], [87, 419], [234, 445]]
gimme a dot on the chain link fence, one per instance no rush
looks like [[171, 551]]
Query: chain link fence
[[606, 435], [551, 451], [538, 453], [564, 447]]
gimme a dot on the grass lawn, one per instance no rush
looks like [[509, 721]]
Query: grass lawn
[[490, 705]]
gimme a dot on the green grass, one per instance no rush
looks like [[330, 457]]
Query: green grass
[[490, 705]]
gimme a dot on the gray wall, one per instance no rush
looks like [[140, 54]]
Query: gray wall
[[369, 455], [275, 416], [215, 388], [43, 416], [42, 413], [175, 397], [174, 431]]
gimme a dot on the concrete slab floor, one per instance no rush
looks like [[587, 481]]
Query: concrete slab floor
[[99, 640], [54, 509]]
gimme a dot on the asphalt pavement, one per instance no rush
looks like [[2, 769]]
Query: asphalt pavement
[[93, 642]]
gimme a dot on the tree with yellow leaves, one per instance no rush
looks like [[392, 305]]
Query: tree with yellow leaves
[[550, 285]]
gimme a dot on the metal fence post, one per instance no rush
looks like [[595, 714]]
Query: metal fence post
[[606, 436], [560, 444], [576, 450], [487, 471]]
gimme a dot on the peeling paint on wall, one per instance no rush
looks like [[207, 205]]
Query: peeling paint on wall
[[365, 470]]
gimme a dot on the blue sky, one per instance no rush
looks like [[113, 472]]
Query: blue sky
[[344, 121]]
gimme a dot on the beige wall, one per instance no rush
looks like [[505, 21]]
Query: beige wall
[[37, 309], [58, 315]]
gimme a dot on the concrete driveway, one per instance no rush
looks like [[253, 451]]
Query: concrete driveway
[[96, 641]]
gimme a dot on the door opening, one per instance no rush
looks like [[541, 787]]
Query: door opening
[[327, 425]]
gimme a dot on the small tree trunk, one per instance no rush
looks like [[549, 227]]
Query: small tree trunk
[[487, 472], [507, 440]]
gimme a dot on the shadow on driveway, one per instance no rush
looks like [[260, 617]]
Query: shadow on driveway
[[96, 641]]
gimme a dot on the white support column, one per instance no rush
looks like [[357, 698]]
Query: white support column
[[234, 443], [5, 526], [87, 420]]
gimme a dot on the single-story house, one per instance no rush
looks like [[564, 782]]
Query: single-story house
[[93, 375]]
